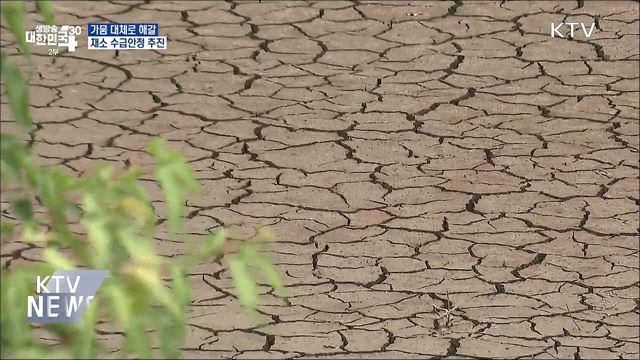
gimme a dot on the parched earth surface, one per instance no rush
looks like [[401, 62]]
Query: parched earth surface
[[414, 159]]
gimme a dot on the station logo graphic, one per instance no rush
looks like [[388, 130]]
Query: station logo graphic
[[63, 296], [55, 37]]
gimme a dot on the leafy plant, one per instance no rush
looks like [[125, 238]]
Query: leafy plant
[[103, 220]]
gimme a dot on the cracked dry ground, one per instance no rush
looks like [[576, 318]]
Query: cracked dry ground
[[399, 151]]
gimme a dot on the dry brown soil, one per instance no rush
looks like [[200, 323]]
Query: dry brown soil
[[400, 151]]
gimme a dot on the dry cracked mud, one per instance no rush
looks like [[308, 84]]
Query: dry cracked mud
[[411, 157]]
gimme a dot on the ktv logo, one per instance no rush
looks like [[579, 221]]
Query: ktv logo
[[556, 28], [63, 296]]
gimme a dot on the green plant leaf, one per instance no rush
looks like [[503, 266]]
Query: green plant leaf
[[171, 333], [138, 341], [120, 303], [52, 188], [140, 210], [56, 259], [174, 196], [16, 286], [152, 282], [139, 250], [97, 233], [176, 179], [244, 283], [181, 288], [17, 91], [85, 346], [6, 228], [23, 209], [251, 255], [270, 271], [213, 244], [44, 7], [13, 13], [16, 161]]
